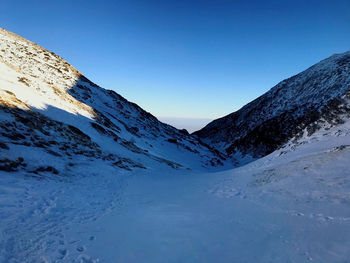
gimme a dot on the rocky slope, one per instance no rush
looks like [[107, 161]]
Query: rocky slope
[[314, 99], [52, 117]]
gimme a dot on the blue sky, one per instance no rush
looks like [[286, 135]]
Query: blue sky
[[186, 59]]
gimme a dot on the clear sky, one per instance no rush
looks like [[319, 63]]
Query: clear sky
[[186, 59]]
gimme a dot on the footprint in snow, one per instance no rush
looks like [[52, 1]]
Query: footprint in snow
[[62, 253], [80, 248]]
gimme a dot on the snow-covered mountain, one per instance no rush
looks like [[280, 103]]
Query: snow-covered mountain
[[53, 117], [314, 99], [66, 145]]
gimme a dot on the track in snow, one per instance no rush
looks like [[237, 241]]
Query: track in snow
[[166, 217]]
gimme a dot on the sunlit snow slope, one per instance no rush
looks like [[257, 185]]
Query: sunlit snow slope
[[53, 117]]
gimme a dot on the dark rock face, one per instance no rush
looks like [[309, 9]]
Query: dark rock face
[[315, 97]]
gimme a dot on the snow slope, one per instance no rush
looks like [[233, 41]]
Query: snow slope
[[50, 108], [317, 97], [286, 207], [86, 176]]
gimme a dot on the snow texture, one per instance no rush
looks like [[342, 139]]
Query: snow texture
[[315, 98], [86, 176], [47, 104]]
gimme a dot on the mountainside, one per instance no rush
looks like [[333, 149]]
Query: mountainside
[[316, 98], [53, 117], [66, 145], [289, 206]]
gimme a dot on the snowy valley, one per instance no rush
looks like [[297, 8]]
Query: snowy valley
[[87, 176]]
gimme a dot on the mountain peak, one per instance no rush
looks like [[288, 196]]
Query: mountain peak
[[312, 99], [50, 107]]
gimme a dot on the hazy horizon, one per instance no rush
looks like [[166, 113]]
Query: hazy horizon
[[190, 124]]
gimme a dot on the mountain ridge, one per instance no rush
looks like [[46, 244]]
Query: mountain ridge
[[316, 97], [45, 98]]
